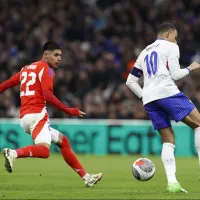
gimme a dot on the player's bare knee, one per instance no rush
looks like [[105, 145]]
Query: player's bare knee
[[194, 124], [168, 140], [60, 139], [167, 135], [198, 122]]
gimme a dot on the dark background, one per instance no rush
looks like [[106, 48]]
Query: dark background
[[101, 41]]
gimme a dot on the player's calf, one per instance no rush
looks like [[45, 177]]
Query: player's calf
[[37, 151]]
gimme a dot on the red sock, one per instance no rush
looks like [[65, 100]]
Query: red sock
[[38, 151], [70, 158]]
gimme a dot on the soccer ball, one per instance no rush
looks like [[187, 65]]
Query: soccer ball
[[143, 169]]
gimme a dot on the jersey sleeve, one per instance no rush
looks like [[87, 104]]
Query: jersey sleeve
[[137, 69], [133, 77], [13, 81], [173, 64], [50, 98], [132, 83], [138, 62], [16, 79], [47, 78]]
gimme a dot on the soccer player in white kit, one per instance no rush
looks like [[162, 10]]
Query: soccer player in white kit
[[159, 64]]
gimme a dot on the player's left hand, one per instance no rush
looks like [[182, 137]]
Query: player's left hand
[[194, 66], [81, 114]]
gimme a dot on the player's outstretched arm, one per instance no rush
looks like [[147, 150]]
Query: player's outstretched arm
[[48, 95], [178, 73], [51, 98], [174, 66], [13, 81]]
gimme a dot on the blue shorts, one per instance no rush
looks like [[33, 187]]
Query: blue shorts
[[175, 107]]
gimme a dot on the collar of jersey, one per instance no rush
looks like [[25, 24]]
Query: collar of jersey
[[45, 62], [160, 39]]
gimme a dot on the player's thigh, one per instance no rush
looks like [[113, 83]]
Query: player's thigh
[[192, 119], [25, 122], [177, 106], [40, 129], [159, 117], [167, 135]]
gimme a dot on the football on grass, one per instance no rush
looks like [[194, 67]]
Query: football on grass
[[143, 169]]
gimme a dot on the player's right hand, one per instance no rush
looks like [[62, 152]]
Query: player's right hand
[[75, 112], [81, 114], [194, 66]]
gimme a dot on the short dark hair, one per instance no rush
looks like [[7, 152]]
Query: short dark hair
[[50, 45], [164, 27]]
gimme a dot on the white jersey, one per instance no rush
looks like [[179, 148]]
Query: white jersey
[[159, 63]]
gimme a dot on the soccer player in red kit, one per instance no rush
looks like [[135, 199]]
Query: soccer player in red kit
[[36, 88]]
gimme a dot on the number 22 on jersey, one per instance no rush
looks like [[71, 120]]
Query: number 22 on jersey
[[25, 81], [151, 61]]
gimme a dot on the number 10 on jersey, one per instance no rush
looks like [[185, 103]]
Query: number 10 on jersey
[[151, 61]]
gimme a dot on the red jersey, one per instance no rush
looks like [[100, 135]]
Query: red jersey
[[36, 87], [35, 78]]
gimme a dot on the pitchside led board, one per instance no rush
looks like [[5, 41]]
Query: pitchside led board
[[102, 137]]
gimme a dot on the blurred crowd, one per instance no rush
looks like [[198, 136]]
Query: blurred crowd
[[101, 40]]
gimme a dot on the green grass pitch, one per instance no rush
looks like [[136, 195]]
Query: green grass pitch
[[53, 179]]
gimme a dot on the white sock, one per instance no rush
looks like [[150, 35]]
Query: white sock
[[86, 177], [197, 141], [169, 162], [14, 154]]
